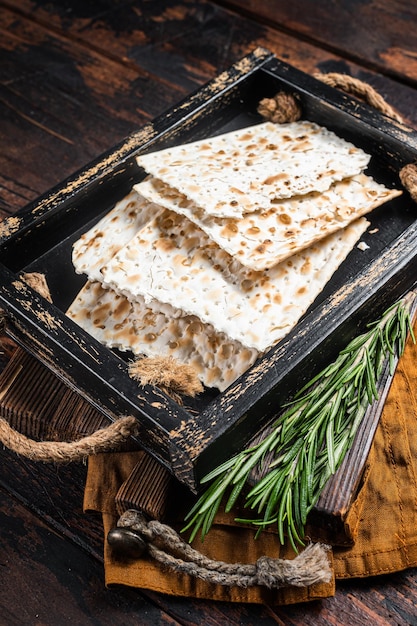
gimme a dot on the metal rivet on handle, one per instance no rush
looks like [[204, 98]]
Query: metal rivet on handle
[[126, 543]]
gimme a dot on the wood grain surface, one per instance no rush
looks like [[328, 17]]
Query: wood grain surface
[[77, 77], [76, 80], [375, 34]]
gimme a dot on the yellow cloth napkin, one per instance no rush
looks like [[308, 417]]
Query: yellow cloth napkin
[[226, 541], [383, 517], [385, 510]]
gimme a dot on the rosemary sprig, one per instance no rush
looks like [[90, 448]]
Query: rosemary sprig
[[310, 438]]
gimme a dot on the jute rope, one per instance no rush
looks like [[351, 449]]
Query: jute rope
[[172, 377], [165, 546], [285, 107], [408, 177], [102, 440], [38, 282], [282, 108], [360, 90]]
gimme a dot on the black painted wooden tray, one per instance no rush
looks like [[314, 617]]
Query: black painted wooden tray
[[192, 439]]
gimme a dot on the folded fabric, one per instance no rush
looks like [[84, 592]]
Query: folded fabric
[[385, 510], [382, 518]]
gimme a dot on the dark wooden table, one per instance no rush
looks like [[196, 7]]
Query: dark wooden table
[[76, 78]]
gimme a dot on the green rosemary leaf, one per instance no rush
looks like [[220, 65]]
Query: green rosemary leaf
[[281, 516], [304, 492], [329, 371], [408, 327], [339, 408], [253, 460], [298, 485], [210, 497], [388, 340], [236, 491], [314, 407], [330, 446], [309, 474], [355, 344], [273, 496], [370, 379], [226, 466], [358, 380], [350, 373], [264, 485], [194, 523], [293, 535], [311, 436], [209, 517], [217, 491]]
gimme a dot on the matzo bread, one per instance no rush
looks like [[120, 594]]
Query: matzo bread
[[249, 169], [111, 233], [171, 260], [118, 323], [260, 240]]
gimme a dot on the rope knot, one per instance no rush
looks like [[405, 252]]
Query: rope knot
[[268, 570], [282, 108], [308, 567], [408, 177]]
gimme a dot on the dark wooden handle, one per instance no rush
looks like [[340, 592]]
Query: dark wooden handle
[[147, 489]]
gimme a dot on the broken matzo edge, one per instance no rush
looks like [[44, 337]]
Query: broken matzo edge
[[172, 261], [112, 232], [248, 169], [260, 240], [117, 323]]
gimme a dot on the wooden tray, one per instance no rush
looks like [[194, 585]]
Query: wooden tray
[[192, 439]]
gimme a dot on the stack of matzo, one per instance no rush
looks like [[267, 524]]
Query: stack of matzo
[[216, 255]]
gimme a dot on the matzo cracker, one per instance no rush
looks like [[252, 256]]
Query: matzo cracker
[[171, 260], [118, 323], [249, 169], [259, 240]]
